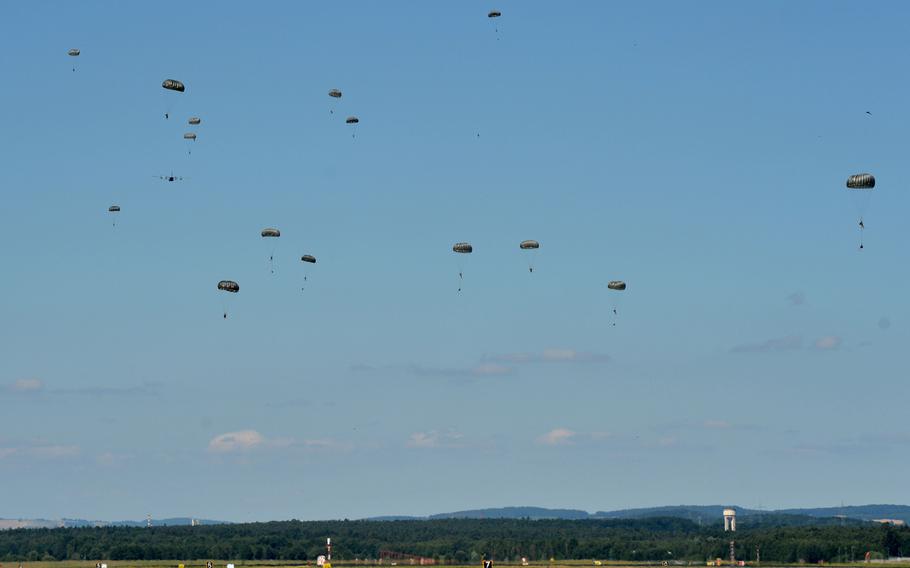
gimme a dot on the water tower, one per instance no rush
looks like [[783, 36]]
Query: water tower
[[730, 520]]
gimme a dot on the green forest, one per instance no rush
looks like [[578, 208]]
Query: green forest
[[463, 541]]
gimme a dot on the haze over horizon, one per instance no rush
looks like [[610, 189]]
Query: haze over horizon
[[696, 151]]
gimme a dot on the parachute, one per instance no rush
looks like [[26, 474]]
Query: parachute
[[270, 232], [73, 53], [462, 248], [309, 259], [861, 181], [190, 136], [227, 286], [335, 94], [494, 14], [352, 120], [114, 209], [619, 286], [860, 187], [173, 85], [195, 120], [531, 246]]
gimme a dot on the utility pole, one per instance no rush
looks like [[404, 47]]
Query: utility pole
[[732, 553]]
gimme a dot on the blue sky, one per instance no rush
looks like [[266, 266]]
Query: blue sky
[[696, 151]]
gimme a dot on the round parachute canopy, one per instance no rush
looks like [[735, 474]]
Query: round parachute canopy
[[494, 14], [352, 120], [189, 136], [173, 85], [229, 286], [194, 120], [73, 52], [114, 209], [308, 258], [861, 181], [616, 285], [463, 248], [270, 232], [529, 245], [335, 94]]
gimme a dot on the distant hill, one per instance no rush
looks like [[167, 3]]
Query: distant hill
[[57, 523], [701, 514], [515, 513]]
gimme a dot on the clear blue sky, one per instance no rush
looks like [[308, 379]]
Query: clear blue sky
[[697, 151]]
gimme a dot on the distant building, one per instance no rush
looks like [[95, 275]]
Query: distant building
[[895, 522]]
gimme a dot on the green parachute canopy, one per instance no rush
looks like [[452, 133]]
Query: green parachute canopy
[[525, 245], [114, 209], [73, 52], [308, 258], [335, 94], [190, 136], [463, 248], [194, 120], [229, 286], [861, 181], [494, 14], [352, 120], [270, 232], [173, 85], [616, 285]]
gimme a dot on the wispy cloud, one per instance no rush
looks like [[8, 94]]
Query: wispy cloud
[[232, 442], [557, 437], [40, 451], [27, 385], [789, 343], [551, 355], [828, 343], [436, 439]]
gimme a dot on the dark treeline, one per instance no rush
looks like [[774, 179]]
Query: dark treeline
[[461, 541]]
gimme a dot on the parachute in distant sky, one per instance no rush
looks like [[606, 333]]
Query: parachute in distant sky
[[73, 53], [307, 259], [860, 187], [270, 232], [194, 120], [461, 248], [335, 94], [619, 286], [352, 120], [173, 85], [493, 14], [530, 246], [114, 209], [227, 286], [190, 136]]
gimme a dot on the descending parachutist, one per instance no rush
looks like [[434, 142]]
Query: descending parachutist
[[225, 315], [861, 226], [166, 117], [460, 276]]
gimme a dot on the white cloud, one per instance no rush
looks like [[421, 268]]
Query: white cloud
[[717, 424], [27, 385], [435, 439], [491, 370], [550, 355], [788, 343], [828, 343], [241, 441], [52, 451], [557, 437]]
